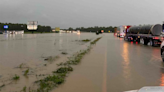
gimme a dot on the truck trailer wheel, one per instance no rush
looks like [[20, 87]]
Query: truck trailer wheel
[[145, 41], [138, 40], [141, 40], [151, 42]]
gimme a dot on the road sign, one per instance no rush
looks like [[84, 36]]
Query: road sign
[[5, 26], [32, 25]]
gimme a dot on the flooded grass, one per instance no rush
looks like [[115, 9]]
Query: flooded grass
[[29, 64], [24, 89], [47, 82], [64, 53], [26, 72], [63, 69], [16, 77], [20, 66], [86, 40], [51, 58], [58, 77], [2, 86], [94, 42]]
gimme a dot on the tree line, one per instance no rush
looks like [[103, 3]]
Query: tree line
[[19, 26], [16, 26], [94, 29]]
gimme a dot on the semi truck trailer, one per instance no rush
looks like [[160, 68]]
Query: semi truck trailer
[[148, 34]]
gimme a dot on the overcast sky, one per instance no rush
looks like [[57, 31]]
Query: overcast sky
[[82, 13]]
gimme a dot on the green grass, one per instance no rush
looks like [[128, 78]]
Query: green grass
[[16, 77], [24, 89], [64, 69], [46, 84], [86, 40], [64, 53], [2, 86], [20, 66], [51, 58], [94, 42], [26, 72]]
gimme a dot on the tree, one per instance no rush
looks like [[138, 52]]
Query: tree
[[70, 29]]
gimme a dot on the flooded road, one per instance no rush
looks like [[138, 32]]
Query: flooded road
[[131, 65], [113, 65]]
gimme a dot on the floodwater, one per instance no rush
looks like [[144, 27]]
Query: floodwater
[[29, 51], [22, 48], [113, 65], [133, 66]]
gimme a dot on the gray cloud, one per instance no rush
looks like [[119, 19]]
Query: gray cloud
[[78, 13]]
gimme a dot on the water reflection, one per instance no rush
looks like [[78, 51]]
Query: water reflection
[[121, 39], [6, 36], [60, 44], [79, 37], [22, 35], [125, 55]]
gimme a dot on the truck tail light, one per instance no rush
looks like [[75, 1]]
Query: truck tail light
[[156, 38]]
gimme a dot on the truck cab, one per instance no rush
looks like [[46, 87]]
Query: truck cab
[[121, 31]]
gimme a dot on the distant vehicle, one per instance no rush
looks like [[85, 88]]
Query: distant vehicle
[[121, 31], [57, 29], [1, 32], [149, 34], [97, 32], [32, 25], [115, 31], [102, 31], [149, 89], [78, 31]]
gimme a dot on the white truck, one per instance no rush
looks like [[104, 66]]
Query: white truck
[[32, 26], [121, 31]]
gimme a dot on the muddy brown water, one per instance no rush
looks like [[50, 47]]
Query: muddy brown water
[[31, 50], [113, 65]]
